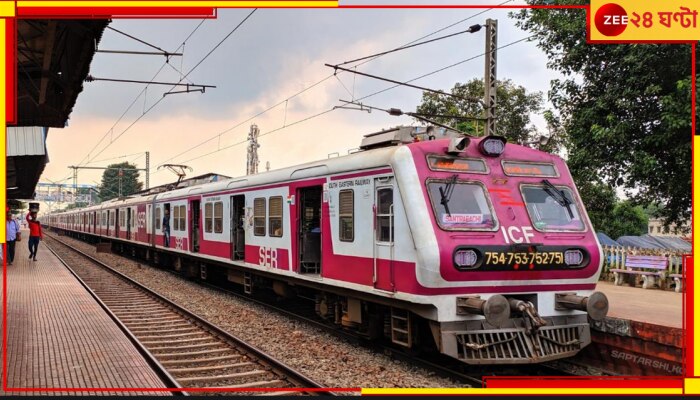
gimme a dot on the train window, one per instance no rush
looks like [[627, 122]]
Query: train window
[[259, 216], [460, 205], [111, 218], [276, 216], [158, 220], [385, 215], [208, 217], [552, 208], [176, 218], [218, 217], [346, 215], [182, 217]]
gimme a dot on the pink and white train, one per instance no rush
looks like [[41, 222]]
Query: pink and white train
[[473, 246]]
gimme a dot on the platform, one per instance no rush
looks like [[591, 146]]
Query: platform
[[58, 337], [642, 335], [654, 306]]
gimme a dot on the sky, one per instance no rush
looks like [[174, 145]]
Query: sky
[[267, 61]]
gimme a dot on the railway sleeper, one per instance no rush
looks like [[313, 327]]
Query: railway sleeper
[[158, 322], [179, 335], [146, 329], [185, 347], [159, 331], [177, 371], [203, 360], [157, 342], [213, 378], [139, 306], [193, 353], [258, 384], [149, 313], [154, 321]]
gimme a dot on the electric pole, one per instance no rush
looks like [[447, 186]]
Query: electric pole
[[252, 167], [490, 77]]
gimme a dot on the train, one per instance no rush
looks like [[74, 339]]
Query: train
[[472, 246]]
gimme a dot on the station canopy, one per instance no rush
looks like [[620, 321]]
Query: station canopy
[[53, 59], [605, 240], [654, 242]]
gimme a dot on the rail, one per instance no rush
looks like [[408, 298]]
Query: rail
[[133, 316]]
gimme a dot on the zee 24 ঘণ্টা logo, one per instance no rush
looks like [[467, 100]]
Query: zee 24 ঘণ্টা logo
[[612, 19]]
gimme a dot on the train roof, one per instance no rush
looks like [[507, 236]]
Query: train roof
[[358, 161]]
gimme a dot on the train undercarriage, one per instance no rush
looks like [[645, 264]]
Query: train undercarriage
[[511, 333]]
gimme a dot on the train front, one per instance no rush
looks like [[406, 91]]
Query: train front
[[505, 250]]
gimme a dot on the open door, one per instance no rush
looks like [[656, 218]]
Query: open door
[[237, 227], [128, 223], [383, 276], [309, 229], [194, 224], [115, 223]]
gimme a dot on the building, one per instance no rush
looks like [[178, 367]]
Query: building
[[656, 228]]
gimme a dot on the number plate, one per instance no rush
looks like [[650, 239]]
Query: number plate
[[512, 258], [523, 260]]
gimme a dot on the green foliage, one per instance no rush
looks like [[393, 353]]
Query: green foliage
[[599, 200], [627, 220], [109, 188], [627, 109], [514, 107]]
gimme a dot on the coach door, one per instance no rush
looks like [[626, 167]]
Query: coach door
[[309, 229], [237, 227], [128, 222], [194, 224], [383, 274], [94, 222]]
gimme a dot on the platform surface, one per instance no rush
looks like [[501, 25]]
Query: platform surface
[[58, 337], [654, 306]]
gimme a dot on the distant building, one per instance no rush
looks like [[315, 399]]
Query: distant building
[[656, 228]]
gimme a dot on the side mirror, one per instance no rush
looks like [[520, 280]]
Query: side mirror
[[457, 145]]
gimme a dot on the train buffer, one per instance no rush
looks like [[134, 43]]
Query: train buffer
[[649, 267]]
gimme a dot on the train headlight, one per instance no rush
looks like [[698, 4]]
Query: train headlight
[[573, 258], [466, 259], [492, 146]]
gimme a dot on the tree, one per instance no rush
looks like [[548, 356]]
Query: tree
[[600, 200], [627, 109], [109, 188], [627, 220], [514, 107]]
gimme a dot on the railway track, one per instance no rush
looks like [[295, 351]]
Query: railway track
[[192, 354], [441, 365]]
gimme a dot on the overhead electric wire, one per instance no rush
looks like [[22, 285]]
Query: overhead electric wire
[[371, 58], [443, 68], [181, 79], [362, 98], [407, 84], [137, 97], [472, 29]]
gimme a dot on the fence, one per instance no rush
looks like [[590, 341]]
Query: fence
[[614, 257]]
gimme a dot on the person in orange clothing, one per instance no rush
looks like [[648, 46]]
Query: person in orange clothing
[[34, 234]]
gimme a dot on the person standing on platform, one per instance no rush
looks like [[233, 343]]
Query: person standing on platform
[[12, 234], [34, 234], [166, 228]]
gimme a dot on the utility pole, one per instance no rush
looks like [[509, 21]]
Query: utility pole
[[490, 77], [252, 167], [148, 170]]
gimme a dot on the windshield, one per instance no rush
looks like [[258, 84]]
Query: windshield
[[552, 208], [460, 206]]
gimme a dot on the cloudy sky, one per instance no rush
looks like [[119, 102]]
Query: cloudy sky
[[267, 61]]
